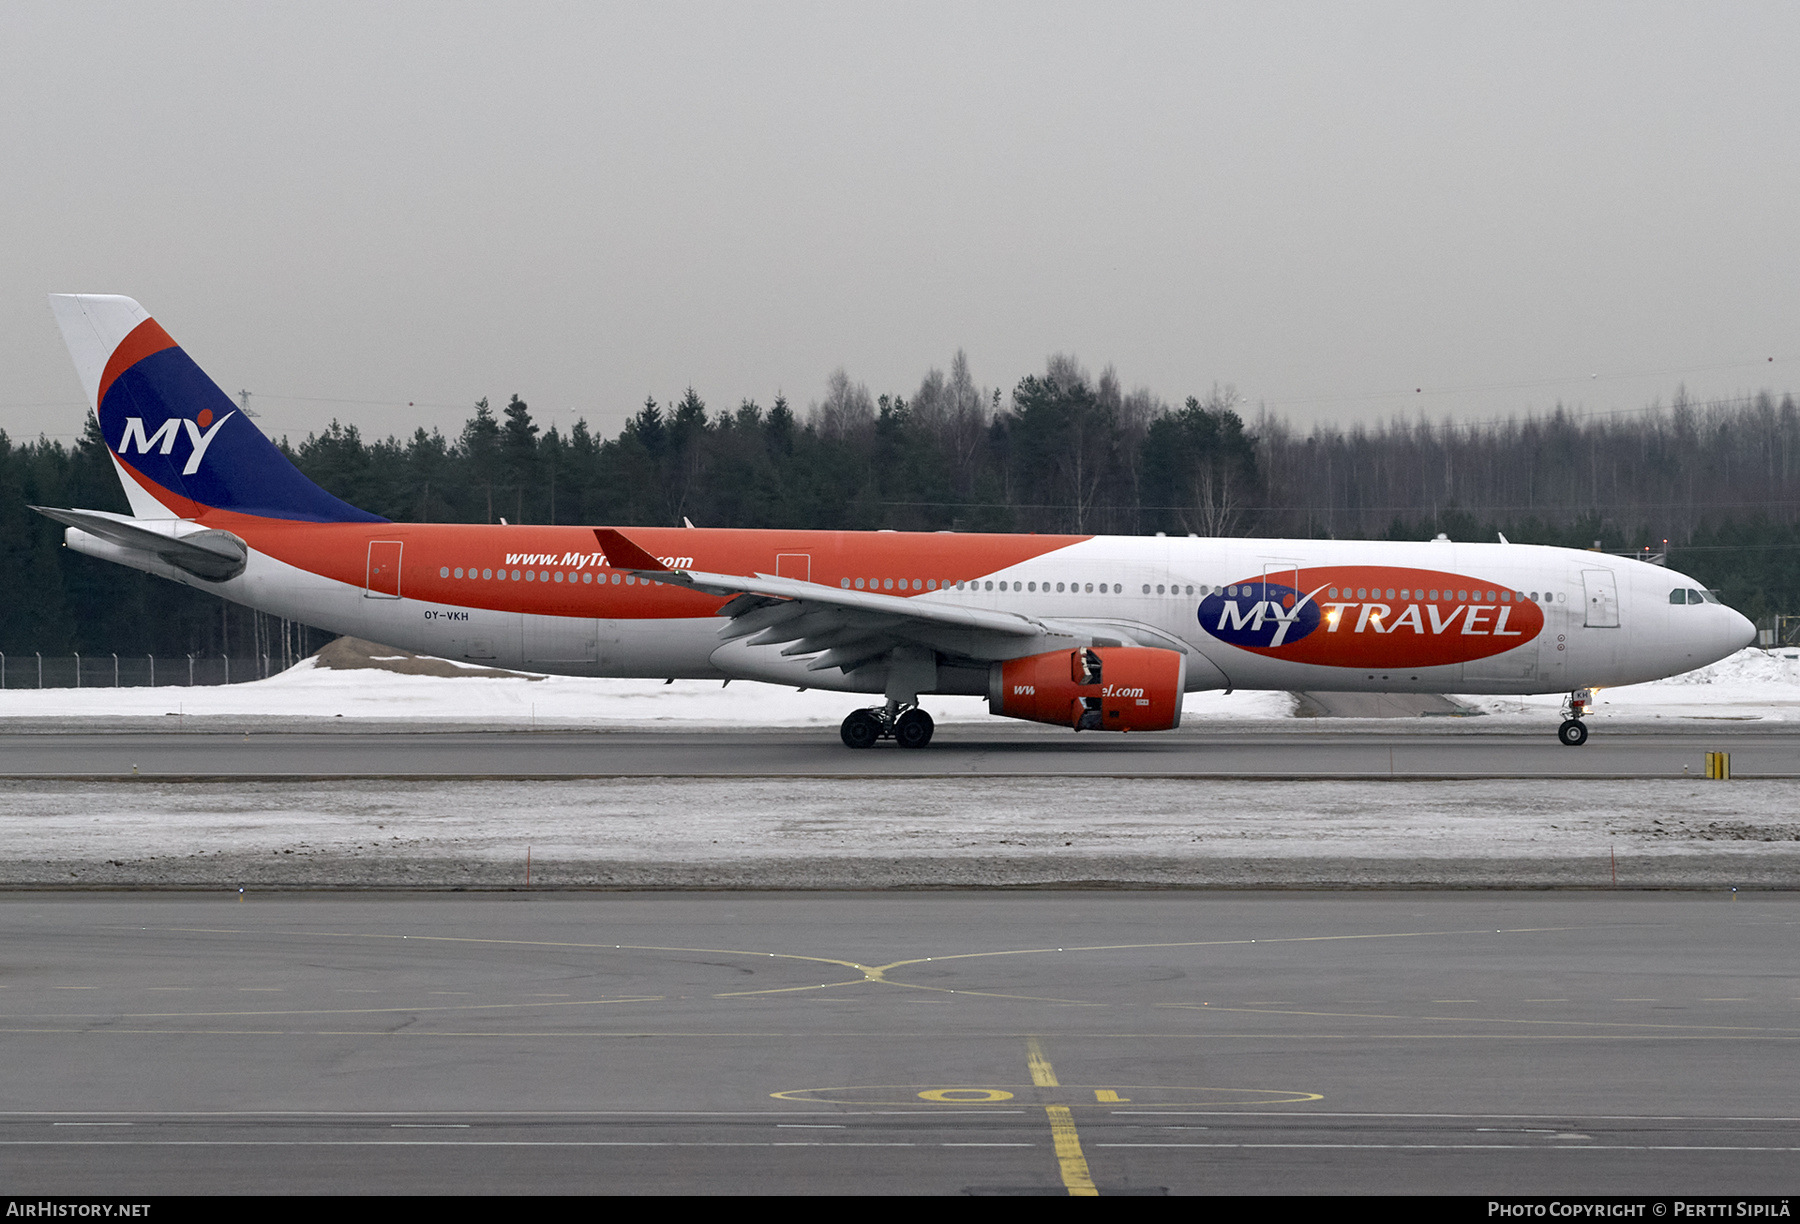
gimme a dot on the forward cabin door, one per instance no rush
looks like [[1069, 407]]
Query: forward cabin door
[[1602, 593], [1598, 654], [383, 581]]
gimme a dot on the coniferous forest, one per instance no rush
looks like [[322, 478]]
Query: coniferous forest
[[1061, 451]]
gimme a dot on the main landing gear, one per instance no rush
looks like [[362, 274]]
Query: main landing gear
[[910, 727], [1573, 733]]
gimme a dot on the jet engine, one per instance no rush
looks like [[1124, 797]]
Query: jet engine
[[1095, 688]]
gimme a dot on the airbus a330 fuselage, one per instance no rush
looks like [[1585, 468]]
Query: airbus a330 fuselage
[[1102, 632]]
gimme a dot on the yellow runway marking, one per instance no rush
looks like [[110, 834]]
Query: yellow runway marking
[[966, 1096], [874, 973], [879, 974], [1069, 1096], [1074, 1165]]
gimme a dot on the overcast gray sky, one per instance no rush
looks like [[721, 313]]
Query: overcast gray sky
[[1327, 205]]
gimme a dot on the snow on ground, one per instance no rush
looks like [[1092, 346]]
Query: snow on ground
[[786, 832], [1751, 685], [637, 819], [835, 832], [308, 691]]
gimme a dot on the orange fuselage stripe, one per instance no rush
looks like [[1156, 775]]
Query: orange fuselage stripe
[[340, 551]]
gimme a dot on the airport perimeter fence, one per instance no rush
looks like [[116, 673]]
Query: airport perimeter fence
[[1773, 632], [132, 671]]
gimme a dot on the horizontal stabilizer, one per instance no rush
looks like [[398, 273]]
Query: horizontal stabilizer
[[212, 555]]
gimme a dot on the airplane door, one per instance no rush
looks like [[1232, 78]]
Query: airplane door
[[383, 580], [1283, 573], [1602, 593], [797, 566]]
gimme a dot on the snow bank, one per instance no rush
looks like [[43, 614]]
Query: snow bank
[[1751, 685], [307, 690]]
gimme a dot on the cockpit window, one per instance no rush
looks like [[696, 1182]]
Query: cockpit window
[[1709, 596], [1678, 596]]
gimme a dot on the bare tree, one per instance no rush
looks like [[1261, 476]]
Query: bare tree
[[846, 412]]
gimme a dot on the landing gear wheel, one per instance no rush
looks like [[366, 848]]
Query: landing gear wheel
[[1573, 733], [860, 730], [913, 729]]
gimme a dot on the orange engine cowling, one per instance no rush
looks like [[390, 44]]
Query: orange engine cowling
[[1095, 688]]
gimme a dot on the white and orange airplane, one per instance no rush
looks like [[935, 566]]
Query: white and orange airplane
[[1089, 632]]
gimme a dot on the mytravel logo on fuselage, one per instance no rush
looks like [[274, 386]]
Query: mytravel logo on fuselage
[[1371, 616]]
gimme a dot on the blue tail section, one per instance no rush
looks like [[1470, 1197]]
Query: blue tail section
[[172, 430]]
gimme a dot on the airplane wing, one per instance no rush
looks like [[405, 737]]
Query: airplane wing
[[850, 627], [847, 629]]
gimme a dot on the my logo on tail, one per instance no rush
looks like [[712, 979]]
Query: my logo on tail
[[165, 436], [148, 394]]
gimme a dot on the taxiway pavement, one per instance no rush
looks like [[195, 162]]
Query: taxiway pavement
[[945, 1043], [1426, 748]]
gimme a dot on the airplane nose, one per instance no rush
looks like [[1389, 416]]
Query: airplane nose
[[1743, 630]]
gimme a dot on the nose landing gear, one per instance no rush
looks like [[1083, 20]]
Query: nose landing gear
[[910, 727], [1573, 733]]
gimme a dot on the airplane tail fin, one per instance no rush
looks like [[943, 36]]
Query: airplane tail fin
[[180, 445]]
